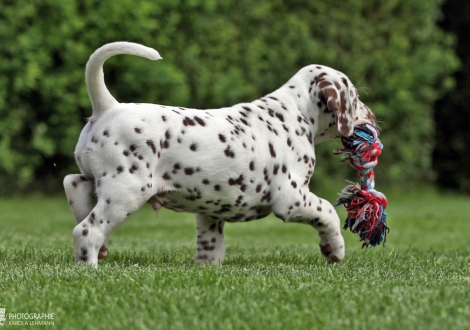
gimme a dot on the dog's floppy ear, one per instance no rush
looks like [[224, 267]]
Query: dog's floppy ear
[[336, 98]]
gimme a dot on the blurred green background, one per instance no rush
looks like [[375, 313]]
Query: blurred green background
[[408, 58]]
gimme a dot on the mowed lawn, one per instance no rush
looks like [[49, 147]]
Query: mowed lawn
[[274, 276]]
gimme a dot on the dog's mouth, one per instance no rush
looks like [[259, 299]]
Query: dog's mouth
[[361, 121]]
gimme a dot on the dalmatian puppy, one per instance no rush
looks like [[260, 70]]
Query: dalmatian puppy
[[233, 164]]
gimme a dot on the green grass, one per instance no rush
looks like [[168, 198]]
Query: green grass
[[273, 277]]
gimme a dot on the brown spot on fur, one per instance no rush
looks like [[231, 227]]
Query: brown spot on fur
[[199, 121], [335, 258], [326, 249], [133, 168], [221, 229], [229, 153], [271, 150], [188, 122], [92, 218], [151, 144], [166, 176]]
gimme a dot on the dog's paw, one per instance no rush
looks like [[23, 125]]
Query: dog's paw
[[204, 259], [103, 253], [332, 248]]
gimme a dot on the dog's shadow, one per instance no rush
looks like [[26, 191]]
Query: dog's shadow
[[185, 259]]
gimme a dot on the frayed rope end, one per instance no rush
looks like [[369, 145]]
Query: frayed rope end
[[366, 214]]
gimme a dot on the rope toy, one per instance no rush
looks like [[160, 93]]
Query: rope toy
[[365, 205]]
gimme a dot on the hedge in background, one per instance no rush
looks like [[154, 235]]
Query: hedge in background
[[452, 112], [215, 54]]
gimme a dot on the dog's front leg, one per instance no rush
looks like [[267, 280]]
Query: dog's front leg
[[210, 247], [305, 207]]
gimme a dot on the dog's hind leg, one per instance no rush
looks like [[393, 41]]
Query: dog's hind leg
[[112, 208], [210, 247], [80, 192]]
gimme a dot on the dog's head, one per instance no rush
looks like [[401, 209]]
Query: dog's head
[[341, 97]]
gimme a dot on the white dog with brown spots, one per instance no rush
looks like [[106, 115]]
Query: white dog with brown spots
[[233, 164]]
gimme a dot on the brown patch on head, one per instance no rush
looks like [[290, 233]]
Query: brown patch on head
[[329, 95], [345, 120], [338, 104]]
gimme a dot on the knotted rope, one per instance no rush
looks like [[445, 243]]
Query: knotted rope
[[364, 204]]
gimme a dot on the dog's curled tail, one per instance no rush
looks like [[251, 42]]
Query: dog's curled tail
[[101, 98]]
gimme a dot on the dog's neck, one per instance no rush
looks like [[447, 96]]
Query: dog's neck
[[308, 108]]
